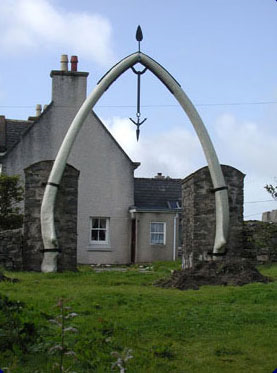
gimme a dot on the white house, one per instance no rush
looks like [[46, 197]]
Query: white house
[[113, 224]]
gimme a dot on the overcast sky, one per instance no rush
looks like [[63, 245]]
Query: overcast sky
[[222, 52]]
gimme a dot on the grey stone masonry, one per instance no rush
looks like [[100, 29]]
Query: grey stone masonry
[[36, 177], [260, 241], [199, 215], [11, 249]]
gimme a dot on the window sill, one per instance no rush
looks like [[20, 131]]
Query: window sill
[[99, 247]]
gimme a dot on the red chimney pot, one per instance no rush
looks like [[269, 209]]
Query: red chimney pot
[[74, 62]]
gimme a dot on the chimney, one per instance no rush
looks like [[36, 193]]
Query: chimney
[[74, 63], [3, 134], [38, 110], [159, 176], [64, 62], [69, 88], [38, 113]]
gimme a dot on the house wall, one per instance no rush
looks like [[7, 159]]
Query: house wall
[[106, 173], [270, 216], [145, 252]]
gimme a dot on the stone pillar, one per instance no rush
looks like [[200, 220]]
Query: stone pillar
[[199, 215], [36, 177]]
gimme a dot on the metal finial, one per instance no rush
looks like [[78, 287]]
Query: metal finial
[[139, 36]]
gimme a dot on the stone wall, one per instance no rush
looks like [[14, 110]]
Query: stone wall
[[11, 249], [199, 218], [260, 241], [36, 177]]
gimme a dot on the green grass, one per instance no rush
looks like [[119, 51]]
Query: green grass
[[214, 329]]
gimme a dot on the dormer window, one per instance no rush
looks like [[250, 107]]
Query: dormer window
[[173, 205]]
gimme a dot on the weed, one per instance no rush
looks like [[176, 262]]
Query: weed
[[62, 347], [122, 359]]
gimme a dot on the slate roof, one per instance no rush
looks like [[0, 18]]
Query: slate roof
[[157, 194], [14, 130]]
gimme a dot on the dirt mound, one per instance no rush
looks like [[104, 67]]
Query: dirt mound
[[224, 272]]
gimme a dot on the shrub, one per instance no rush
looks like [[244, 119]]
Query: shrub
[[11, 194], [17, 332]]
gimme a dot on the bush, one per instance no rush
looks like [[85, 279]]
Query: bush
[[11, 194], [17, 332]]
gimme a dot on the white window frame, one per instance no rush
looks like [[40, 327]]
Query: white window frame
[[163, 232], [106, 229]]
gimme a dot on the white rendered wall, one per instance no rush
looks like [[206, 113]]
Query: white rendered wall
[[145, 252], [106, 173]]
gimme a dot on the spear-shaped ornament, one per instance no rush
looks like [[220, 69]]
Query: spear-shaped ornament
[[139, 36], [138, 123]]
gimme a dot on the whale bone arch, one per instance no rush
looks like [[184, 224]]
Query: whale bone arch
[[50, 242]]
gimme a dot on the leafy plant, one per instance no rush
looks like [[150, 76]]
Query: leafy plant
[[16, 333], [11, 194], [272, 190]]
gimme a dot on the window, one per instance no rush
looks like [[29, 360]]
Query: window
[[157, 233], [173, 205], [99, 230]]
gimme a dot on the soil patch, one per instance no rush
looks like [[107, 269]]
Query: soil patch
[[224, 272]]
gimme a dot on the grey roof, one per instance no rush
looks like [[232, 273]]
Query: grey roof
[[14, 130], [157, 194]]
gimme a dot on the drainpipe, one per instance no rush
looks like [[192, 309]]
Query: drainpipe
[[133, 234], [174, 236]]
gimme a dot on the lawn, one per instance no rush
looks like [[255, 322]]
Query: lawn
[[214, 329]]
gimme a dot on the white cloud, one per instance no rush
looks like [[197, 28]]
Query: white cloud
[[246, 145], [176, 152], [37, 24], [252, 149]]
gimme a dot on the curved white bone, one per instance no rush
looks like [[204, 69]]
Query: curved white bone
[[221, 196]]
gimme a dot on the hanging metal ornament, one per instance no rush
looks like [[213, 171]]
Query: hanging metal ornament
[[138, 123]]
